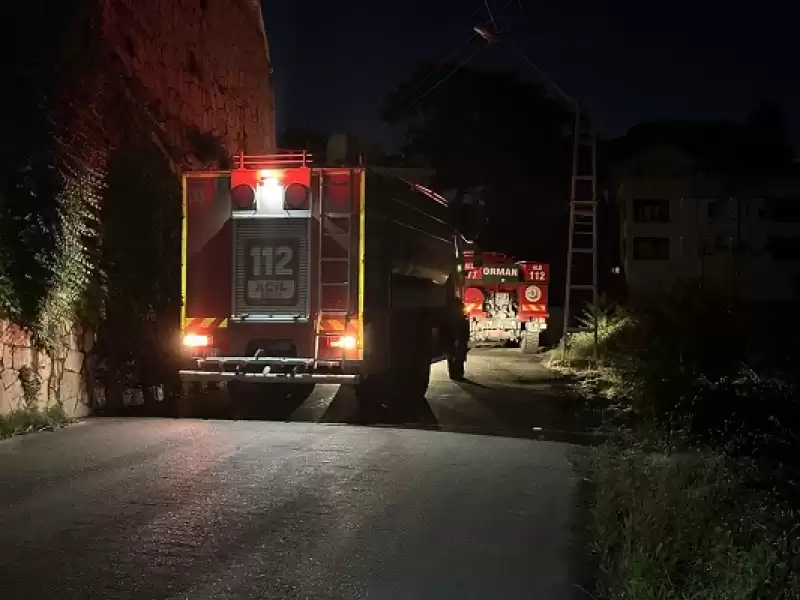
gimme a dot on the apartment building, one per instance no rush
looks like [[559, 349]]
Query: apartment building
[[680, 218]]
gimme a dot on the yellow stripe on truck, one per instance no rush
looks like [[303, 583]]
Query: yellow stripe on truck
[[361, 250], [208, 322]]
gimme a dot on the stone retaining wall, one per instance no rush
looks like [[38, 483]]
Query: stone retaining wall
[[59, 380]]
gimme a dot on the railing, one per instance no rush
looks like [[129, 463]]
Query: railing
[[280, 160]]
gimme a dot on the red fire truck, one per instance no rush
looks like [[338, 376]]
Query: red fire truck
[[300, 275], [505, 300]]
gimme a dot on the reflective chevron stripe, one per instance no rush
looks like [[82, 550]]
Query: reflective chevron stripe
[[538, 308], [196, 323], [338, 326]]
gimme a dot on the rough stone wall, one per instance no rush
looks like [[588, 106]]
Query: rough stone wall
[[166, 71], [58, 380], [204, 64]]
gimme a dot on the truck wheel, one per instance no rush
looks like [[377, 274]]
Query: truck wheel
[[420, 373], [455, 368], [530, 343], [457, 358], [374, 397]]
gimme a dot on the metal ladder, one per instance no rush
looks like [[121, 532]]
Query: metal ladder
[[581, 275], [343, 239]]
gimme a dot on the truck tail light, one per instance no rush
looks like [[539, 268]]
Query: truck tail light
[[473, 300], [193, 340], [345, 342], [243, 197], [296, 197]]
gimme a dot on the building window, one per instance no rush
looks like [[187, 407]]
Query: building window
[[650, 210], [784, 210], [718, 208], [720, 244], [784, 248], [650, 248]]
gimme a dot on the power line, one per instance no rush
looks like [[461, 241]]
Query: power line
[[447, 76], [422, 83], [491, 16], [546, 80]]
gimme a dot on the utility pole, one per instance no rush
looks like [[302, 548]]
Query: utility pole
[[581, 273], [582, 260]]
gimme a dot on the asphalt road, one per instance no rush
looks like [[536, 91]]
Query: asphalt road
[[184, 508]]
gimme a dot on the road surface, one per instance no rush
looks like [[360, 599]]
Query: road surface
[[184, 508]]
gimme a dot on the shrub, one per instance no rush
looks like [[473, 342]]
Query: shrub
[[672, 525], [28, 420], [140, 258], [747, 414], [682, 364]]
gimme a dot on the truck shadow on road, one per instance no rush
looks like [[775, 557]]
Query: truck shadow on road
[[469, 382], [344, 408], [511, 404], [541, 410]]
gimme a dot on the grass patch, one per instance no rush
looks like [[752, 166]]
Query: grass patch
[[687, 524], [697, 495], [28, 420]]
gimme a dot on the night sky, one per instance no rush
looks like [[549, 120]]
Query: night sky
[[335, 60]]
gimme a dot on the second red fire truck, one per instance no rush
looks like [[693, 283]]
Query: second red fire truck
[[505, 300]]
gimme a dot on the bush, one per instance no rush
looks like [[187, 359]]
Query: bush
[[45, 219], [683, 510], [28, 420], [683, 365], [140, 258], [685, 525], [614, 328], [749, 415], [659, 353]]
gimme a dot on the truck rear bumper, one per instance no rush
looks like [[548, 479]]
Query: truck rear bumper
[[269, 370], [312, 378]]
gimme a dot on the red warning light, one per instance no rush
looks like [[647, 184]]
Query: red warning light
[[243, 197], [296, 197]]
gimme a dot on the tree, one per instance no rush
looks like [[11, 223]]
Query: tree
[[760, 145], [304, 139], [492, 128]]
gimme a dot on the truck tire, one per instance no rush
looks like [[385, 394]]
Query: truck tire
[[455, 368], [456, 360], [373, 397], [408, 376], [420, 372], [530, 343]]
